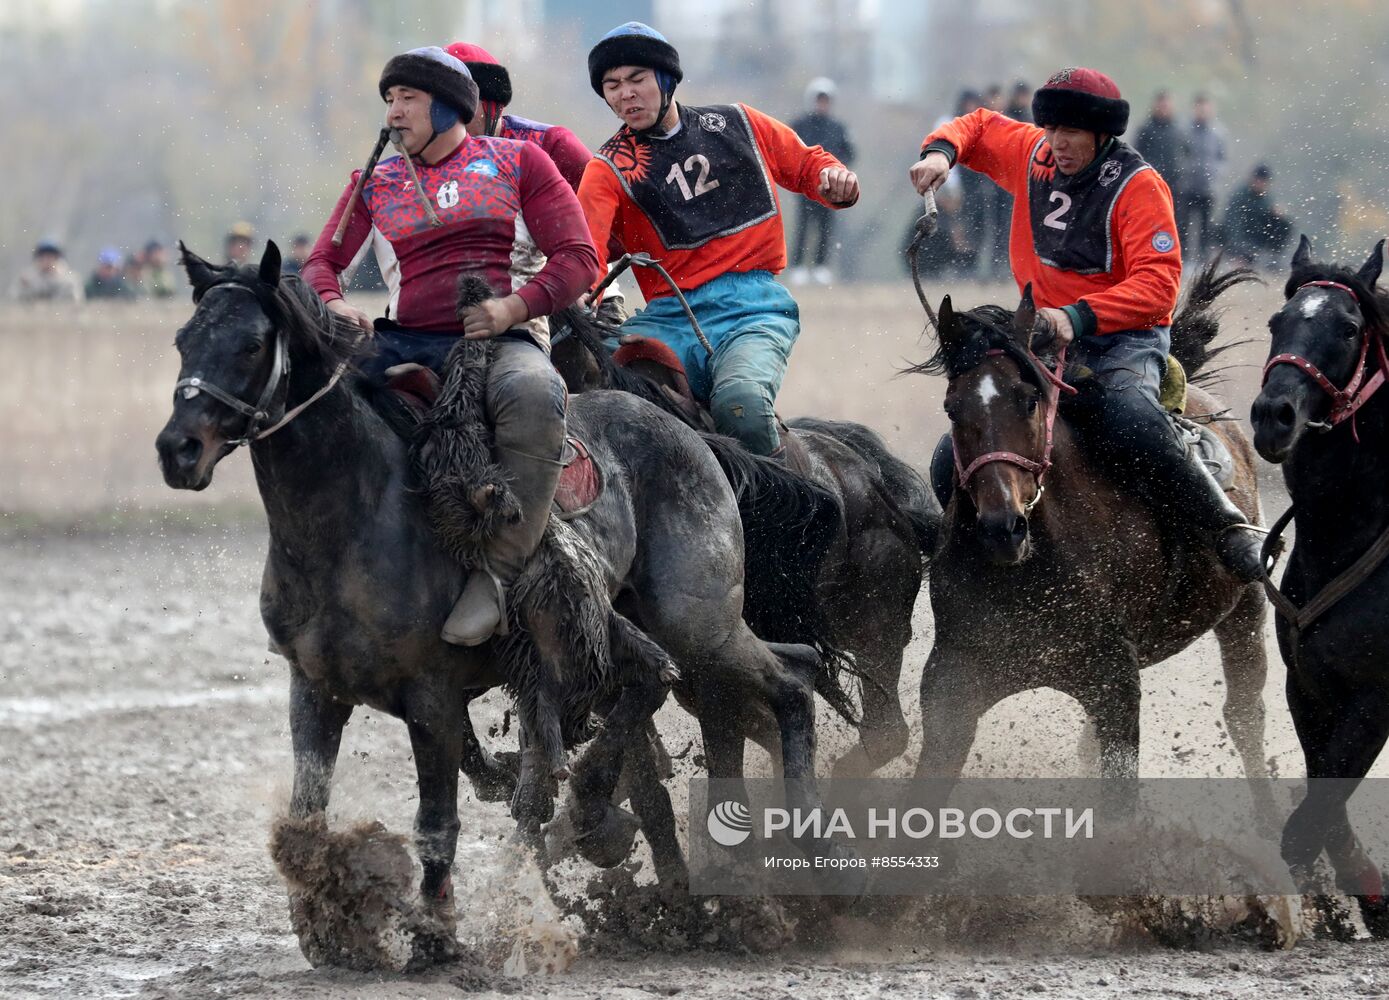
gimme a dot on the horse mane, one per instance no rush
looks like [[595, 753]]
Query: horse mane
[[1374, 304], [295, 309]]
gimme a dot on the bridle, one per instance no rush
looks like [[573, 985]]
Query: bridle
[[964, 473], [1344, 402], [278, 379]]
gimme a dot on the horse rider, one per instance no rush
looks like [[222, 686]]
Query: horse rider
[[1093, 232], [695, 187], [485, 193], [494, 95]]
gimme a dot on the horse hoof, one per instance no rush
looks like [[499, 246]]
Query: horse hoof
[[1374, 910], [609, 843]]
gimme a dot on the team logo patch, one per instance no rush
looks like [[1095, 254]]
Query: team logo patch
[[1109, 173], [712, 121], [1061, 76], [486, 167], [1163, 241]]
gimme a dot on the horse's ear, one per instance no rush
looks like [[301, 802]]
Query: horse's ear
[[270, 264], [1025, 317], [948, 328], [202, 275], [1369, 272], [1302, 256]]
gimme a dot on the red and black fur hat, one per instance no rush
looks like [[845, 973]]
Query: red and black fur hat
[[1081, 98], [493, 81]]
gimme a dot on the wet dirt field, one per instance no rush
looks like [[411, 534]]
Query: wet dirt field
[[145, 754]]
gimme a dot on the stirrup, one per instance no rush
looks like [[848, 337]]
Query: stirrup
[[470, 623]]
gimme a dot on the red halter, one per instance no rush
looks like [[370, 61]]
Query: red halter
[[1344, 402], [1038, 469]]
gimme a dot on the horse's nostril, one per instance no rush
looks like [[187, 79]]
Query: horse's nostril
[[190, 450], [1286, 415], [1019, 528]]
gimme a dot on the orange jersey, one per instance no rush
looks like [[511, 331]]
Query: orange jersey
[[703, 202], [1137, 268]]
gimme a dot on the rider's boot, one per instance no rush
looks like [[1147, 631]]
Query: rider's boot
[[1139, 443], [480, 612]]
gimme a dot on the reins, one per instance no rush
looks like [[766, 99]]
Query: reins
[[1344, 405]]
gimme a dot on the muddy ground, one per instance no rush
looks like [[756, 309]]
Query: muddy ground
[[145, 756]]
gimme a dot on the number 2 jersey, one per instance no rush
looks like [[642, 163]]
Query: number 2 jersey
[[1103, 241], [494, 198], [702, 200]]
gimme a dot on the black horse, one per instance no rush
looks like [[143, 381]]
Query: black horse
[[1320, 418], [356, 585], [869, 580]]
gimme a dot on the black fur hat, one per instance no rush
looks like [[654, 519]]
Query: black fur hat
[[632, 44], [439, 74]]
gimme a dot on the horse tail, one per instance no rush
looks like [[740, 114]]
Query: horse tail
[[789, 523], [1197, 322], [901, 485]]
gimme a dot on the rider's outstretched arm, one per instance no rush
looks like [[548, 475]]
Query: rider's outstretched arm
[[326, 261], [990, 143], [556, 222], [794, 165]]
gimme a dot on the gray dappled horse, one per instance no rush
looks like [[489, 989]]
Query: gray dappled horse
[[356, 586], [867, 584]]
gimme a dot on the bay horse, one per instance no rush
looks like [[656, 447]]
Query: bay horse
[[872, 573], [356, 585], [1084, 589], [1320, 417]]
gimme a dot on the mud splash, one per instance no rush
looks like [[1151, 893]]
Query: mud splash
[[352, 898], [621, 916]]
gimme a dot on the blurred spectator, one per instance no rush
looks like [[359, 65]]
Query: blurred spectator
[[974, 187], [1255, 230], [133, 271], [107, 281], [997, 209], [159, 277], [299, 249], [1161, 145], [1020, 103], [950, 252], [1203, 156], [819, 127], [238, 243], [47, 278]]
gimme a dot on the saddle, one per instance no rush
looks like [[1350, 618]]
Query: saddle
[[656, 361], [415, 388]]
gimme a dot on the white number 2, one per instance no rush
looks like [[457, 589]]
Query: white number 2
[[702, 183], [1054, 219]]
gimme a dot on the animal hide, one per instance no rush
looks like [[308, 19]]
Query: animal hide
[[567, 649]]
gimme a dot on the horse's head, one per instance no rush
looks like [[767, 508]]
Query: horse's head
[[231, 354], [998, 402], [1322, 339]]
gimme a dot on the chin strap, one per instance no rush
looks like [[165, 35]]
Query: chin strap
[[655, 131]]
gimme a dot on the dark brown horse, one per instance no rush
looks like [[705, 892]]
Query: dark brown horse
[[1089, 589], [1326, 361], [869, 579]]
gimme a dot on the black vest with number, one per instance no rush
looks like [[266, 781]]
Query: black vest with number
[[706, 181], [1072, 217]]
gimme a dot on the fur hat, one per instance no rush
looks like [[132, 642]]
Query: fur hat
[[1081, 98], [493, 81], [633, 44], [442, 76]]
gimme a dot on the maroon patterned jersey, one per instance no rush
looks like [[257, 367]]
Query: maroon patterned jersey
[[495, 199]]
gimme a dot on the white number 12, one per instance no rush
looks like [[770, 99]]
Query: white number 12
[[702, 184]]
